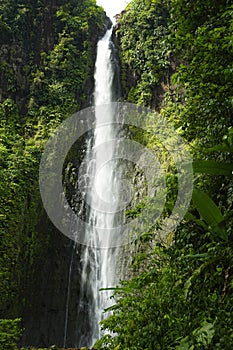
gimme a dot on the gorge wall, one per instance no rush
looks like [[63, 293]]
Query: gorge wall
[[47, 57]]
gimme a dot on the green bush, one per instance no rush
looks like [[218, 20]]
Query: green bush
[[10, 333]]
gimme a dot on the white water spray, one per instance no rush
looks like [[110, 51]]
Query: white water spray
[[99, 264]]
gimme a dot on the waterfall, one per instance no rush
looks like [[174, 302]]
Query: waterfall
[[98, 259]]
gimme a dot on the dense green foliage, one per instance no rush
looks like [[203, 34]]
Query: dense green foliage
[[181, 294], [47, 56], [9, 334], [176, 56], [143, 50]]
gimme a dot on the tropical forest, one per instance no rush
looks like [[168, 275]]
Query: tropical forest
[[169, 64]]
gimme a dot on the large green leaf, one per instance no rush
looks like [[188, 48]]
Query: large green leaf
[[212, 167], [210, 213]]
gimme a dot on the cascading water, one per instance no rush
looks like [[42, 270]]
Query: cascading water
[[98, 260]]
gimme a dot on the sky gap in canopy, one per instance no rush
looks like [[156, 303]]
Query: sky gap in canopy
[[112, 7]]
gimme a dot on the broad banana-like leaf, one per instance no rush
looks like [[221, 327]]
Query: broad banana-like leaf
[[211, 167], [210, 213]]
